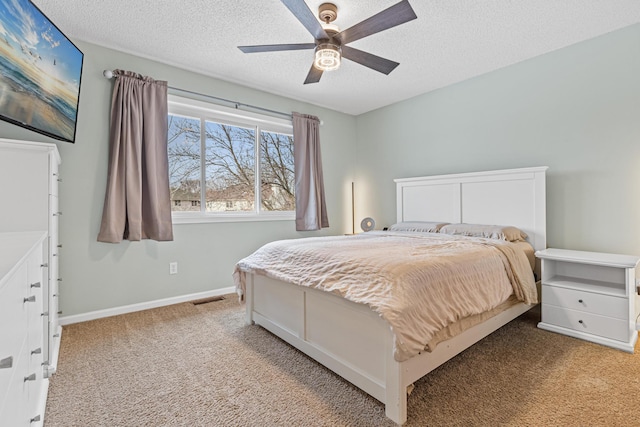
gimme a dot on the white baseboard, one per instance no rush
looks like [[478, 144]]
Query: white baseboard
[[99, 314]]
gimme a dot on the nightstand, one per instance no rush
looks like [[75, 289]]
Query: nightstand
[[591, 296]]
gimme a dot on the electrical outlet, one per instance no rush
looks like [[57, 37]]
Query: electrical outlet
[[173, 268]]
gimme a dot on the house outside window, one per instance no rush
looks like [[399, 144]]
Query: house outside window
[[245, 161]]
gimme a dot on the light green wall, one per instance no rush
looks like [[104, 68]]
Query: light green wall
[[576, 110], [99, 275]]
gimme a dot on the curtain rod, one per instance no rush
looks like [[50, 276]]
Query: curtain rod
[[109, 74]]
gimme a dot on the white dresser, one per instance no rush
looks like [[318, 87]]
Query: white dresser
[[590, 295], [23, 385], [29, 330], [29, 180]]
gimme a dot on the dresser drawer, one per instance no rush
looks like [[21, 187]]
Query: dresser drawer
[[55, 179], [604, 305], [587, 323], [13, 327], [13, 411]]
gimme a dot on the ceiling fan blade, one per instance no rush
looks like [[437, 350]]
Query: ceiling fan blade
[[395, 15], [301, 11], [313, 76], [276, 47], [374, 62]]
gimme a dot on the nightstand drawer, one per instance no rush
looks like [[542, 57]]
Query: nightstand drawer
[[604, 305], [587, 323]]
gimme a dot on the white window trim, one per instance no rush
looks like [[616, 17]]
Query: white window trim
[[217, 113], [206, 217]]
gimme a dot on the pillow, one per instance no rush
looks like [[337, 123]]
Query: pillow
[[501, 232], [421, 226]]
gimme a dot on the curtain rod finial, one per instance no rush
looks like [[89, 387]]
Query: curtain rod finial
[[107, 73]]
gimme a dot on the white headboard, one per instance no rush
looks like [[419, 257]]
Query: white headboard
[[514, 197]]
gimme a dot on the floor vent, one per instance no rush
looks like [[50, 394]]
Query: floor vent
[[207, 300]]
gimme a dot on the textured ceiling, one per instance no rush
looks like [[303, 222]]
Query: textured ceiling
[[452, 40]]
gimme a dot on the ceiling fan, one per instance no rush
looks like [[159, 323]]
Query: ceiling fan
[[330, 43]]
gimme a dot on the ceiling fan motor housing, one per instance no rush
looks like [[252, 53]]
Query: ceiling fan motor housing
[[327, 12]]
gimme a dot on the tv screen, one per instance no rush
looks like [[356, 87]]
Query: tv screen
[[40, 72]]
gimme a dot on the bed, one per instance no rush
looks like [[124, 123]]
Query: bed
[[355, 341]]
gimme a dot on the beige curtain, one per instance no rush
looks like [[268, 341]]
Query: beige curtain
[[311, 209], [137, 203]]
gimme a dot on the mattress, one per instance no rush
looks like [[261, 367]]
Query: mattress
[[420, 283]]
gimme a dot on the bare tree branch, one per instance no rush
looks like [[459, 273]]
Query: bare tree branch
[[230, 165]]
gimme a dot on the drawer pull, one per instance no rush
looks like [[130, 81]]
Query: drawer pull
[[46, 313], [35, 419], [31, 377], [57, 214], [37, 351], [580, 301], [44, 265], [36, 285], [32, 298], [6, 363]]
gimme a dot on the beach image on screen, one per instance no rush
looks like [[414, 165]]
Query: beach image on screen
[[39, 71]]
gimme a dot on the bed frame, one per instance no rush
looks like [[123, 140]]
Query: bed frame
[[355, 342]]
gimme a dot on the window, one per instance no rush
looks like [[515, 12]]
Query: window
[[228, 165]]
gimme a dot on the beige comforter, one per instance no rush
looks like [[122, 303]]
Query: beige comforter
[[419, 283]]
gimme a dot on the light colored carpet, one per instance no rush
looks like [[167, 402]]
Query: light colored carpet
[[199, 365]]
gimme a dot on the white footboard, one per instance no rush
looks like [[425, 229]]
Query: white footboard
[[348, 338], [351, 339]]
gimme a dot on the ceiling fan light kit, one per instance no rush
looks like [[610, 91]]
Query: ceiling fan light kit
[[330, 42], [327, 57]]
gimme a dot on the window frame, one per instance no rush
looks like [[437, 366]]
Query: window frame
[[206, 111]]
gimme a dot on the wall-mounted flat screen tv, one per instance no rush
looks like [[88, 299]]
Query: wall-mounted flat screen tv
[[40, 70]]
